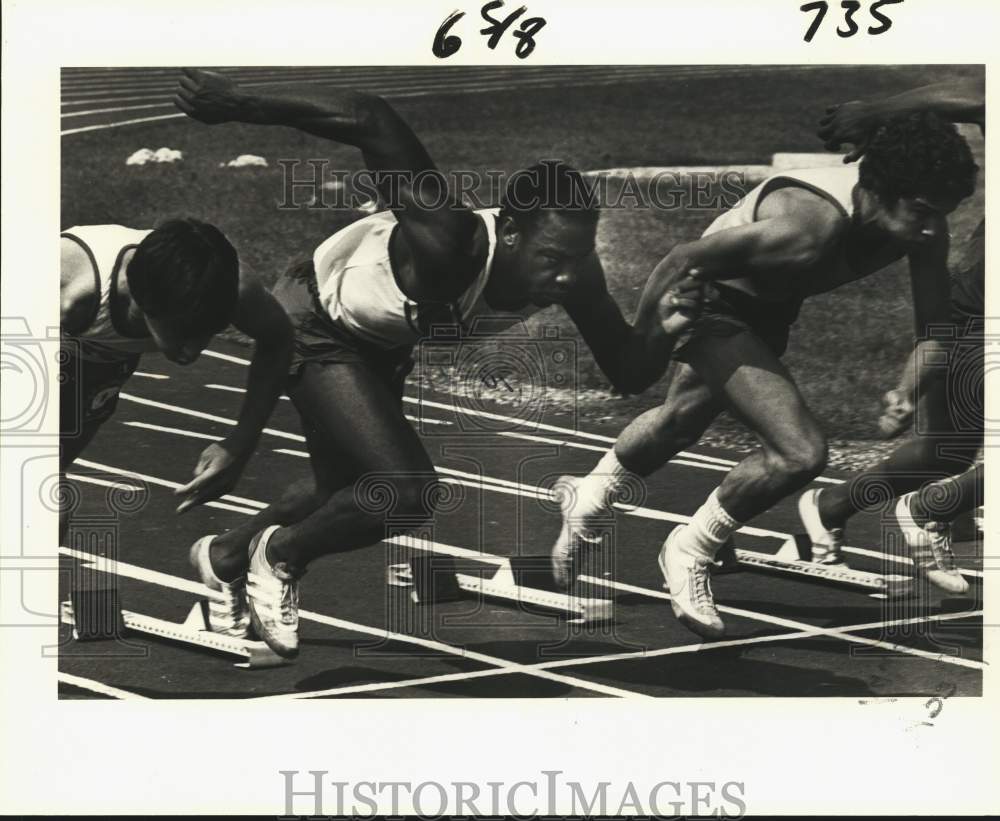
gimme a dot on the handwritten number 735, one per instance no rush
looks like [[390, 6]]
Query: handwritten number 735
[[850, 7]]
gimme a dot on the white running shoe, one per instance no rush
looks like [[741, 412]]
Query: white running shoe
[[930, 549], [273, 596], [686, 573], [228, 613], [826, 544], [576, 535]]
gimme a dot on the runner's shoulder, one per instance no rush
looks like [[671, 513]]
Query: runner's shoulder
[[78, 286], [815, 212]]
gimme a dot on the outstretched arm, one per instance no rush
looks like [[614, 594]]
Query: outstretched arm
[[962, 101], [444, 239], [259, 316], [633, 357]]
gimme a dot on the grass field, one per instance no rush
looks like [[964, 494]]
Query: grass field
[[743, 119]]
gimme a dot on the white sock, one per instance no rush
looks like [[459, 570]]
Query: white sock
[[598, 486], [710, 526]]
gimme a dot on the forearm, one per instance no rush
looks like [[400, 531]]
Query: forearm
[[267, 373], [364, 121], [960, 102]]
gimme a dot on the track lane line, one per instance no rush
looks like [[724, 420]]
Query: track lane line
[[424, 544], [99, 687], [534, 491]]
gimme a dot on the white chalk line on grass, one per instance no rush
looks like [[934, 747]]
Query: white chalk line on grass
[[143, 574], [503, 485], [453, 550]]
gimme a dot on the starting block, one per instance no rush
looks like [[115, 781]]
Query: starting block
[[522, 579], [96, 620], [795, 558]]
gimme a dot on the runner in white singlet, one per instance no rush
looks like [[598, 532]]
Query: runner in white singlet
[[375, 288], [128, 292], [797, 234]]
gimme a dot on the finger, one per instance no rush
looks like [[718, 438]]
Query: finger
[[686, 306], [854, 154], [189, 84], [183, 105]]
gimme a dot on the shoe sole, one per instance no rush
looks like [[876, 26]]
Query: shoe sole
[[258, 626], [949, 583]]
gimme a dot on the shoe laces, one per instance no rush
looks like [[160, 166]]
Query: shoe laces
[[288, 601], [940, 543], [702, 588]]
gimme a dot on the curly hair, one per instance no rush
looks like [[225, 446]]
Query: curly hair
[[186, 272], [918, 155]]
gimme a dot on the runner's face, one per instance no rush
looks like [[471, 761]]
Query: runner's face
[[548, 258], [178, 347], [916, 219]]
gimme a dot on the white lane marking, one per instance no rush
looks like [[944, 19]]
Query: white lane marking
[[247, 505], [93, 480], [139, 573], [516, 487], [428, 545], [178, 431], [454, 408], [408, 94], [453, 550], [99, 687], [67, 132], [149, 375], [114, 110]]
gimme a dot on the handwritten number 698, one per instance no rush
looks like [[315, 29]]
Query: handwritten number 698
[[850, 7]]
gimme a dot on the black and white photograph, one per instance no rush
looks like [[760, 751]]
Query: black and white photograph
[[487, 381]]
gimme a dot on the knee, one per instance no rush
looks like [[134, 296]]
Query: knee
[[299, 500], [803, 460], [418, 496]]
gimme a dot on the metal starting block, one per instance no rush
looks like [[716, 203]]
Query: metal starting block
[[795, 558], [523, 579], [94, 616]]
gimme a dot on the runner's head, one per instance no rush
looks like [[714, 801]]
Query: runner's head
[[184, 277], [547, 226], [919, 168]]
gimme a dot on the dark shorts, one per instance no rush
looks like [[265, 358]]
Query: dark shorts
[[728, 312], [319, 340], [88, 395]]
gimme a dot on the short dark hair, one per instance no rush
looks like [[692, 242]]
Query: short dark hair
[[548, 186], [187, 273], [918, 155]]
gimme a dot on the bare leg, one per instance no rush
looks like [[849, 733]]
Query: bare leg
[[759, 389], [654, 438], [930, 456], [357, 426]]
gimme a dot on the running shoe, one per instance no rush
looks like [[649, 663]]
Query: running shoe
[[826, 543], [228, 613], [930, 549], [687, 574], [273, 596]]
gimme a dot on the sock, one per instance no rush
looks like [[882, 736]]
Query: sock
[[710, 526], [598, 486]]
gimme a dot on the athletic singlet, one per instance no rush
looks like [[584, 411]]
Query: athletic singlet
[[358, 289], [101, 338], [835, 184]]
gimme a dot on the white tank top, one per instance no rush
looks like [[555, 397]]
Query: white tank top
[[101, 338], [358, 289], [833, 183]]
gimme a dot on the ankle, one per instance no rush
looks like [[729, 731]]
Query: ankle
[[828, 518], [280, 550], [228, 564]]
